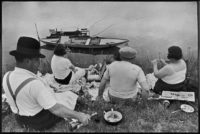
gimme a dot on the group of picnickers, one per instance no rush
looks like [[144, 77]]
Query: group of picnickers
[[37, 106]]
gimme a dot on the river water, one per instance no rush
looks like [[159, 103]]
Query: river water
[[150, 27]]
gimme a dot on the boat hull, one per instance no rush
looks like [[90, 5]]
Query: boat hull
[[103, 48], [93, 51]]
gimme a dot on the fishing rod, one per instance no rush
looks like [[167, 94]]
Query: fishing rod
[[37, 32], [95, 23], [104, 30], [90, 27]]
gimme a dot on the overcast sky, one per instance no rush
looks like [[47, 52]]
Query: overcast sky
[[172, 21], [133, 17]]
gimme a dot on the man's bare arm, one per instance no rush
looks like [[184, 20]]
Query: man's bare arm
[[64, 112], [145, 89]]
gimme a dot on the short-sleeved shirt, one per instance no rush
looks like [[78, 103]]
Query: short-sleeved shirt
[[60, 66], [123, 78], [176, 73], [33, 97]]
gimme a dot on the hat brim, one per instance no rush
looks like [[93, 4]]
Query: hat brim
[[15, 53], [128, 58]]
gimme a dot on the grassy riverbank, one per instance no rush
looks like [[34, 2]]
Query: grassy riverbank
[[148, 116]]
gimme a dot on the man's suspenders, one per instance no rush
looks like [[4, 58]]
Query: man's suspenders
[[14, 95]]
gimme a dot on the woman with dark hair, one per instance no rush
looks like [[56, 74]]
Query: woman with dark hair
[[64, 71], [59, 50], [171, 77]]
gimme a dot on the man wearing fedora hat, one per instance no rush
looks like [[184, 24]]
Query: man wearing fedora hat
[[30, 100], [123, 76]]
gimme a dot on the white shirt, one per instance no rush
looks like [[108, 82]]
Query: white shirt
[[32, 98], [60, 66], [176, 73], [123, 78]]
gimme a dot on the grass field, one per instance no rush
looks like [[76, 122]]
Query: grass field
[[149, 116]]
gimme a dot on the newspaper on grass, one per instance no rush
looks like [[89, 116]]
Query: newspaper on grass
[[184, 96], [169, 95]]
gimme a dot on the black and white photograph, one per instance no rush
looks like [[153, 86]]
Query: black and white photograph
[[100, 66]]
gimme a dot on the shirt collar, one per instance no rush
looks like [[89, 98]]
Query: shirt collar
[[125, 61], [24, 70]]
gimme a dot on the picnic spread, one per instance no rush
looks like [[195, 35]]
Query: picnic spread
[[90, 85], [76, 86], [81, 87]]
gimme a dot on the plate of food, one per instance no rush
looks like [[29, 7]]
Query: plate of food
[[187, 108], [113, 117]]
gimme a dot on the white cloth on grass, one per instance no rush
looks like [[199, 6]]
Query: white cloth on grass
[[49, 80], [64, 94], [77, 75], [67, 98]]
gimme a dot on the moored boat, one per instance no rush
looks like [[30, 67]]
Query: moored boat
[[81, 41]]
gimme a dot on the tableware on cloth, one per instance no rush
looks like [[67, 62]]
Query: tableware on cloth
[[75, 124], [187, 108], [113, 117], [166, 103]]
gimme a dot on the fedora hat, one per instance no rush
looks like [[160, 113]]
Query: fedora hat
[[27, 46], [127, 52]]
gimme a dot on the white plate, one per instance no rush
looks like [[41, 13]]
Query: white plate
[[113, 116], [187, 108]]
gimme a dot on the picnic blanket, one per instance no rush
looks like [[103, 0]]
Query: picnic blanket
[[64, 94], [49, 80], [67, 98]]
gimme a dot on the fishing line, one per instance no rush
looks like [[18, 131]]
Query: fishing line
[[103, 30]]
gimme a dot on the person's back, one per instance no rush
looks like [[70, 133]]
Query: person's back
[[176, 72], [30, 104], [63, 70], [123, 78], [179, 66], [25, 101], [172, 76], [33, 103], [60, 66], [27, 96]]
